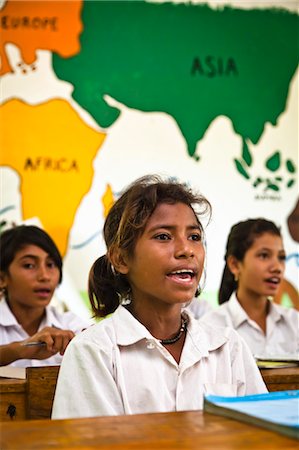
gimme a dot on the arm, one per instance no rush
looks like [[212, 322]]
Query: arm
[[55, 339]]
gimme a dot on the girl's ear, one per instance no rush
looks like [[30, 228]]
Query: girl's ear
[[119, 261], [234, 266]]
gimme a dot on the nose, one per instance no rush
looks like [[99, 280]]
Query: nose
[[183, 248], [43, 273], [278, 266]]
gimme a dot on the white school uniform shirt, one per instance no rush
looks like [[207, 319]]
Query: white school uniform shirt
[[282, 327], [117, 367], [12, 331]]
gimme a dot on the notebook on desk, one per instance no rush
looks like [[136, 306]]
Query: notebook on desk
[[13, 372], [276, 361], [276, 411]]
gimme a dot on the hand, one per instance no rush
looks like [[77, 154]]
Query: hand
[[55, 340]]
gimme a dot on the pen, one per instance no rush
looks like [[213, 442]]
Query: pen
[[33, 343]]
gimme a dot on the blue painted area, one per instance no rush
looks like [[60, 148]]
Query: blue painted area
[[84, 243]]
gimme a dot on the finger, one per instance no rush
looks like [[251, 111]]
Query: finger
[[58, 342], [49, 341]]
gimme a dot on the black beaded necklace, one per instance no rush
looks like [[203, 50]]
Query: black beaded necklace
[[179, 334]]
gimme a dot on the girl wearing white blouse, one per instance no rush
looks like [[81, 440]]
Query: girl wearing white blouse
[[32, 333], [150, 355], [254, 269]]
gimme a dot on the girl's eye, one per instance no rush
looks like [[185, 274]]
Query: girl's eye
[[282, 257], [263, 255], [162, 237], [51, 264], [195, 237], [28, 265]]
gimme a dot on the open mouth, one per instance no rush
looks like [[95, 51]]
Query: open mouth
[[183, 275], [273, 280]]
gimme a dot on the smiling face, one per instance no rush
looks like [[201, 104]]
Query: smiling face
[[31, 278], [168, 258], [262, 268]]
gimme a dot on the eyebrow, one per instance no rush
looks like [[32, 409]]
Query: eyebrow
[[172, 227], [33, 257], [282, 250]]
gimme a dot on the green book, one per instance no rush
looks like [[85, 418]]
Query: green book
[[277, 411]]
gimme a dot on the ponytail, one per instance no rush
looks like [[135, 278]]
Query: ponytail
[[105, 287], [227, 286]]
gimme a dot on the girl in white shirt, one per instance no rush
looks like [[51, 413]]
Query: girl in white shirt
[[150, 355], [254, 269], [30, 270]]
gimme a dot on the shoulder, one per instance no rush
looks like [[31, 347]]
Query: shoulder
[[66, 320], [100, 334], [220, 315]]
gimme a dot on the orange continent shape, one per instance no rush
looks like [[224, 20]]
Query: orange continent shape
[[40, 25]]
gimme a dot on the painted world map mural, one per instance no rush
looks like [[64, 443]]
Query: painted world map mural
[[97, 93]]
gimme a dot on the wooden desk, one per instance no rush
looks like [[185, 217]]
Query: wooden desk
[[40, 390], [175, 431], [12, 399], [281, 379], [31, 398]]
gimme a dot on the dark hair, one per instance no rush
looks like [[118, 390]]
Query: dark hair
[[16, 238], [124, 224], [240, 239]]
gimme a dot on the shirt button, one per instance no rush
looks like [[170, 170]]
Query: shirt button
[[150, 344]]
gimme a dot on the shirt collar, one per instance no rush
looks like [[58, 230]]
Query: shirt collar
[[206, 337], [7, 318], [237, 313], [275, 313], [129, 331], [50, 318]]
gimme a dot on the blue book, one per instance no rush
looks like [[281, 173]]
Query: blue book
[[277, 411]]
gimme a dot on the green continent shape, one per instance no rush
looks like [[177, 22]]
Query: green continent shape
[[142, 54]]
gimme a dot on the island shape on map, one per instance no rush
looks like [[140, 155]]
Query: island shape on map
[[192, 62], [52, 150]]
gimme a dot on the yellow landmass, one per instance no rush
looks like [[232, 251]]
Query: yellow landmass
[[108, 200], [52, 149]]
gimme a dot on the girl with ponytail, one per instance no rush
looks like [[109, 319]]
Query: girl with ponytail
[[149, 354], [253, 272]]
